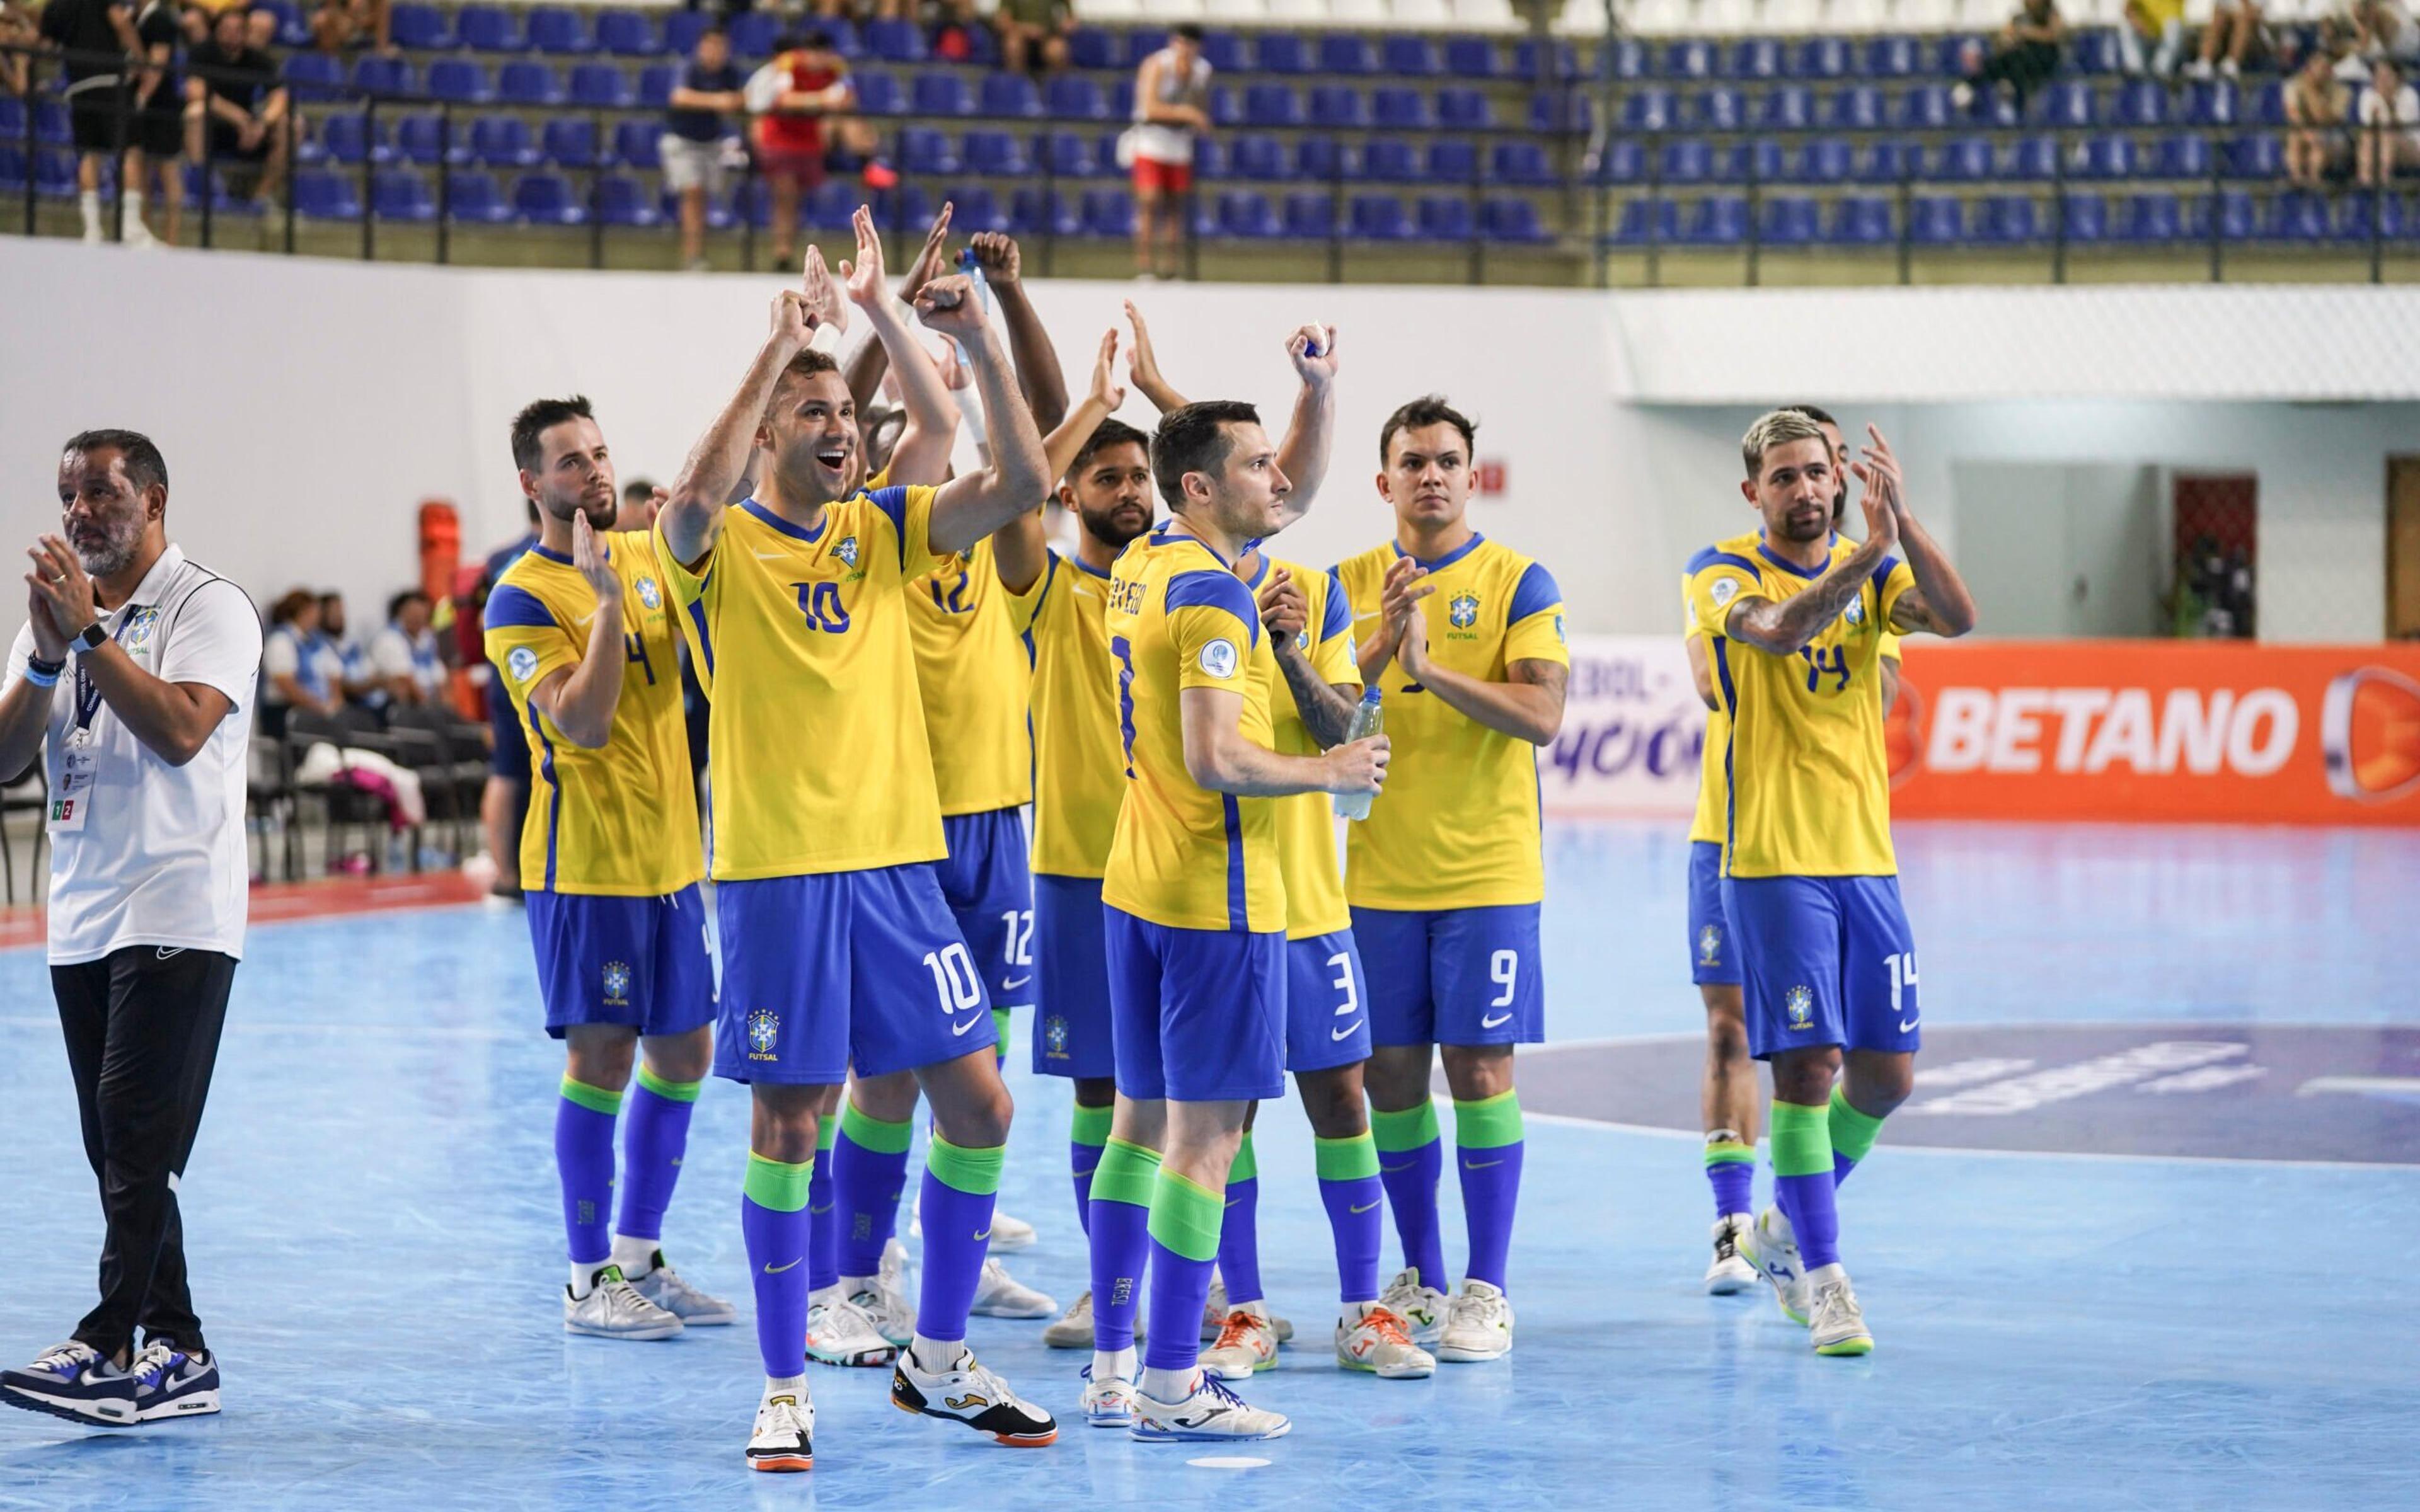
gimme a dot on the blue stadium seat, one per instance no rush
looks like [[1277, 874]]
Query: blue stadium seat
[[1691, 58], [627, 34], [1648, 110], [600, 85], [1926, 108], [753, 33], [1787, 221], [1820, 57], [1310, 217], [620, 201], [879, 92], [638, 144], [13, 159], [293, 30], [1688, 161], [1223, 107], [1338, 106], [1859, 220], [1224, 52], [2182, 157], [1646, 221], [1786, 108], [2107, 158], [1272, 104], [524, 83], [1890, 57], [1858, 108], [2268, 104], [1522, 163], [1717, 110], [1463, 110], [1949, 54], [2150, 218], [849, 44], [343, 138], [1209, 157], [322, 196], [1088, 47], [656, 82], [1884, 163], [547, 199], [2258, 156], [485, 28], [1443, 217], [1966, 160], [2236, 220], [1390, 161], [2035, 158], [1404, 56], [1261, 159], [2097, 51], [2142, 102], [1562, 62], [2008, 221], [2360, 213], [569, 142], [419, 27], [975, 207], [940, 94], [1377, 218], [1555, 113], [1454, 160], [924, 150], [2067, 103], [1069, 155], [1470, 57], [1322, 158], [1745, 163], [400, 194], [502, 142], [376, 74], [2212, 102], [1011, 94], [1623, 163], [461, 80], [996, 154], [894, 40], [314, 76], [1758, 58], [1717, 222], [1281, 51], [423, 141], [1823, 160], [1395, 108], [560, 31], [682, 29], [1243, 213], [831, 207], [1512, 220], [1347, 53], [2087, 217], [223, 200], [1074, 98], [1935, 221]]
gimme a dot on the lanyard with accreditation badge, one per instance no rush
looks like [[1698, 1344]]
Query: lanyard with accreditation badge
[[72, 801]]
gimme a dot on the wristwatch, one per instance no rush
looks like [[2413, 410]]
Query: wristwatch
[[92, 637]]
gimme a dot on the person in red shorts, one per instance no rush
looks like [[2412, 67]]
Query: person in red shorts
[[1172, 104], [796, 96]]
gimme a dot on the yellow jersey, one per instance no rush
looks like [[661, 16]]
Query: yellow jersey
[[800, 636], [622, 819], [1808, 785], [1307, 859], [974, 677], [1183, 856], [1457, 826], [1713, 792], [1080, 775]]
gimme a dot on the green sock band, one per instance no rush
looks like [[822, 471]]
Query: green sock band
[[777, 1184], [1245, 1168], [1187, 1216], [1000, 1023], [1346, 1159], [1853, 1132], [1407, 1130], [1730, 1152], [670, 1091], [1490, 1123], [595, 1099], [870, 1133], [826, 1130], [1090, 1126], [1128, 1173], [1802, 1140], [975, 1172]]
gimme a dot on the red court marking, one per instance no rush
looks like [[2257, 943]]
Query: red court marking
[[287, 902]]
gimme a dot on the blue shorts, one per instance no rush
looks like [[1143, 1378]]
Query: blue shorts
[[640, 961], [1200, 1013], [509, 759], [985, 882], [1327, 1004], [1713, 960], [844, 969], [1830, 961], [1453, 975], [1071, 1034]]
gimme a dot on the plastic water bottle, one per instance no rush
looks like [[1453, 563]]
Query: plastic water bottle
[[1366, 723]]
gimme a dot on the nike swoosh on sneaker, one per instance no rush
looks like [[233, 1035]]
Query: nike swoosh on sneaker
[[1489, 1023], [776, 1270], [1338, 1034]]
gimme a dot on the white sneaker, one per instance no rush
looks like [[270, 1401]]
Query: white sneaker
[[999, 1294], [967, 1393], [1773, 1249], [1108, 1404], [1962, 95], [1421, 1308], [1376, 1341], [882, 1297], [1837, 1324], [1215, 1309], [614, 1310], [1730, 1274], [2198, 68], [1477, 1325], [1246, 1343], [1073, 1331], [663, 1286], [1010, 1234], [786, 1431], [1210, 1411], [2228, 68], [840, 1334]]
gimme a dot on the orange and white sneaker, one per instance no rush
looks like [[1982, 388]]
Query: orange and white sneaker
[[786, 1428], [1370, 1338], [1248, 1342]]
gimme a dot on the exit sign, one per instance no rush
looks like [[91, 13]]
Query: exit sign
[[1491, 477]]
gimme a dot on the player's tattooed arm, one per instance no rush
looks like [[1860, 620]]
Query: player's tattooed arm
[[1784, 628], [1939, 603], [1143, 367], [1220, 757], [691, 517], [1302, 456], [865, 370], [1327, 707], [1029, 339]]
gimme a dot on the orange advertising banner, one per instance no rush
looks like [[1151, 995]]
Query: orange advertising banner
[[2225, 732]]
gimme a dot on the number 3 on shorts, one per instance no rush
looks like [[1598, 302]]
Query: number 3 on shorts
[[954, 977]]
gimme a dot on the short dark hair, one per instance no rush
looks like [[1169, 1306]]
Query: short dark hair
[[144, 464], [394, 605], [330, 597], [713, 28], [290, 605], [1190, 30], [1106, 433], [641, 487], [1193, 439], [537, 417], [816, 38], [1815, 412], [803, 366], [1427, 410]]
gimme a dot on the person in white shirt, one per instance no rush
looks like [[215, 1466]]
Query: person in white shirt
[[2390, 126], [133, 681], [404, 655], [1172, 105], [344, 662]]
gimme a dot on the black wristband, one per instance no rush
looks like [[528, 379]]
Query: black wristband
[[48, 669]]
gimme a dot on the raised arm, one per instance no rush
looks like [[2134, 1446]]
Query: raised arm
[[973, 505], [578, 700], [866, 366], [1143, 367], [1784, 628], [1302, 456], [1029, 341], [1021, 550], [1220, 757], [691, 517], [1939, 603], [923, 455]]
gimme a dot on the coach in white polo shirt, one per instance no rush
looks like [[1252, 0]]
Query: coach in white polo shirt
[[133, 682]]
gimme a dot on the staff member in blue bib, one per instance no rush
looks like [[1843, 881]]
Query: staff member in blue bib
[[133, 682]]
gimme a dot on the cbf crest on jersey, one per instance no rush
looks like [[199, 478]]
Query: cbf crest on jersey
[[1054, 1037], [649, 593], [764, 1029], [846, 550], [1710, 947], [1855, 613], [1461, 610], [617, 984], [139, 625], [1799, 1006]]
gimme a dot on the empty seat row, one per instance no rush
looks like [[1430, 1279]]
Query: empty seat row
[[1792, 107], [2010, 220], [1964, 159]]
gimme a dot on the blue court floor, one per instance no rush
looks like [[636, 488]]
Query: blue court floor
[[2062, 1321]]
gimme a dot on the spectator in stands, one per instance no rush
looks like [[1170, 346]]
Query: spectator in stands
[[2317, 102], [291, 676], [156, 137], [639, 505], [344, 665], [1033, 35], [2228, 42], [260, 29], [952, 25], [1172, 107], [405, 655], [801, 90], [2152, 40], [2022, 56], [341, 26], [694, 128], [2384, 29], [96, 36], [234, 110], [2390, 126], [17, 29]]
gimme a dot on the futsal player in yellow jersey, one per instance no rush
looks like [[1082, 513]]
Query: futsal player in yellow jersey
[[837, 947], [1793, 618], [1464, 637], [581, 632], [1727, 1091]]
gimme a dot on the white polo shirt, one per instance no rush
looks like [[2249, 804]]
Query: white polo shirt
[[160, 858]]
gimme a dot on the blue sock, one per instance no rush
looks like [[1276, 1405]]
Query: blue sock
[[1487, 1136], [773, 1224], [584, 1160], [869, 1170], [960, 1186], [1120, 1241], [1239, 1228], [653, 1142], [1086, 1132], [823, 1241], [1349, 1189], [1185, 1222], [1731, 1170], [1803, 1181], [1411, 1158]]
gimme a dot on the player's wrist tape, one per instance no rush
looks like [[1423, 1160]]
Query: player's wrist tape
[[826, 339], [41, 676]]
